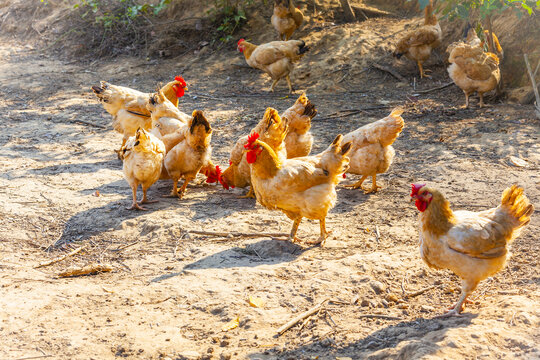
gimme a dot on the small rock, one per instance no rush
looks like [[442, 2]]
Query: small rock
[[384, 303], [224, 343], [365, 302], [392, 297], [377, 286], [403, 306], [190, 355], [225, 356], [210, 350], [427, 308]]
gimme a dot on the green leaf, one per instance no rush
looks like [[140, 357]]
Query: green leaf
[[528, 8]]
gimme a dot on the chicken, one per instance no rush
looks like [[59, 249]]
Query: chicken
[[474, 245], [128, 106], [372, 152], [143, 160], [299, 140], [417, 44], [275, 58], [499, 50], [272, 130], [170, 125], [297, 187], [286, 18], [472, 69], [188, 157]]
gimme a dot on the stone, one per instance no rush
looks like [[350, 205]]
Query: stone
[[377, 286]]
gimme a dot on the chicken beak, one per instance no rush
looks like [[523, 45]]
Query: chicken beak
[[186, 88]]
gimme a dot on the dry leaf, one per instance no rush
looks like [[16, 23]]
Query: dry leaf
[[256, 302], [96, 193], [517, 161], [231, 324]]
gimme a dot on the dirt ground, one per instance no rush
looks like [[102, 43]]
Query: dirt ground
[[171, 291]]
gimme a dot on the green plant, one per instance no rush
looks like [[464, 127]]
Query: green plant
[[230, 16], [123, 12], [482, 8]]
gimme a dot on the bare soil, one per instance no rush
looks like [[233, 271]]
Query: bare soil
[[171, 291]]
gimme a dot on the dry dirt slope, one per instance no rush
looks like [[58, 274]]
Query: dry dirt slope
[[170, 293]]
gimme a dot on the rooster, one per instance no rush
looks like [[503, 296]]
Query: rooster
[[372, 152], [275, 58], [128, 106], [299, 140], [143, 160], [417, 44], [286, 18], [474, 245], [297, 187]]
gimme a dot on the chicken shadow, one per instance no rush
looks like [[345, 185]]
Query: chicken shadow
[[77, 168], [423, 336], [263, 252]]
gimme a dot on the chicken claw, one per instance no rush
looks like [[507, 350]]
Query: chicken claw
[[136, 206]]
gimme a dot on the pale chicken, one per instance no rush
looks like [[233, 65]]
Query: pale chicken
[[299, 140], [188, 157], [128, 106], [286, 18], [372, 152], [143, 160], [474, 245]]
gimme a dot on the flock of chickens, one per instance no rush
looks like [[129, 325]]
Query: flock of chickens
[[162, 142]]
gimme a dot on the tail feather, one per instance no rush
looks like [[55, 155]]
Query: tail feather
[[310, 110], [199, 119], [388, 129], [303, 48], [517, 204]]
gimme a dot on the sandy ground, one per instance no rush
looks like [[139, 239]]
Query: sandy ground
[[171, 291]]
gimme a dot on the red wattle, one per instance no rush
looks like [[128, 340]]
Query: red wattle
[[251, 157], [421, 205]]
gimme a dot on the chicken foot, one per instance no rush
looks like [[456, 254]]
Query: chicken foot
[[291, 90], [358, 184], [324, 234], [274, 83], [458, 307], [145, 198], [250, 194], [292, 236], [134, 204], [182, 191], [422, 73], [374, 186]]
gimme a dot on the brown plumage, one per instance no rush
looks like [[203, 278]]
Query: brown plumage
[[286, 18], [417, 44], [276, 58]]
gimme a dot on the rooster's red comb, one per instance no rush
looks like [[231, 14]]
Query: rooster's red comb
[[240, 41], [251, 139], [416, 188], [181, 80]]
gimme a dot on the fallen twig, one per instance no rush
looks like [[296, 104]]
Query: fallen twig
[[34, 357], [408, 295], [533, 81], [377, 316], [391, 72], [86, 270], [435, 88], [237, 234], [60, 258], [87, 123], [377, 233], [301, 317]]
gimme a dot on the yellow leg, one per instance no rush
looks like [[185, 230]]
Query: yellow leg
[[481, 104], [292, 236], [134, 205], [358, 184], [466, 106], [145, 198], [274, 85], [374, 186], [250, 194], [184, 186], [422, 73], [289, 83], [466, 290]]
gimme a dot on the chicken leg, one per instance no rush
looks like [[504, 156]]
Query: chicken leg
[[134, 204], [145, 198], [422, 73], [481, 103], [182, 191], [466, 290], [250, 194], [358, 184], [289, 83], [374, 186], [466, 106], [292, 236], [274, 83]]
